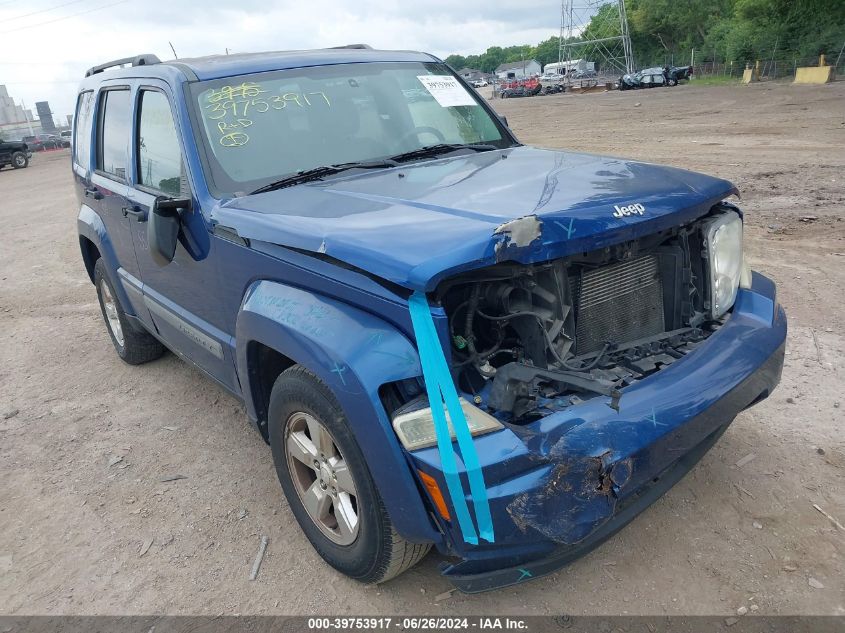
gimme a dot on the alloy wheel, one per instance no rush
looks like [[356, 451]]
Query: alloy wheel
[[112, 317], [321, 478]]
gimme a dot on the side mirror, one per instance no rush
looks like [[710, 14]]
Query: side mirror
[[163, 225]]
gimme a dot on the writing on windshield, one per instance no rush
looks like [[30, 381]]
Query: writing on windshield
[[228, 107]]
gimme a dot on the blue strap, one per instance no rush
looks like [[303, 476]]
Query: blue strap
[[440, 386]]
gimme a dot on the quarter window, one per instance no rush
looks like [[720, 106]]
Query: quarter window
[[159, 153], [82, 129], [115, 126]]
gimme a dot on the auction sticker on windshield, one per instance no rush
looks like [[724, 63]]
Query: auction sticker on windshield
[[446, 90]]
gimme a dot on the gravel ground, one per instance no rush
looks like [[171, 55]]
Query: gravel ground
[[83, 532]]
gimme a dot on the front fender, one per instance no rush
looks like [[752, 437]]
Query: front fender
[[90, 225], [354, 353]]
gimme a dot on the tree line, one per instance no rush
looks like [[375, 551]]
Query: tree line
[[666, 31]]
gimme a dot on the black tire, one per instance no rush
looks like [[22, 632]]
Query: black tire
[[672, 82], [378, 552], [136, 347], [20, 160]]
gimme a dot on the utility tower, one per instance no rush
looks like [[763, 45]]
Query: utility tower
[[596, 31]]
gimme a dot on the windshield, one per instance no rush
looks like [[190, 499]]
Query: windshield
[[259, 128]]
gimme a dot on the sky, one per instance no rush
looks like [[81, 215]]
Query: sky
[[48, 44]]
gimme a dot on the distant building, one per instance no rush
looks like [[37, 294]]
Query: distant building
[[518, 70], [15, 121], [471, 74], [562, 68], [45, 115]]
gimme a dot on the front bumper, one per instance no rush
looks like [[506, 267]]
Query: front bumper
[[562, 485]]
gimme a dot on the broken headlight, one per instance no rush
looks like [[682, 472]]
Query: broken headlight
[[723, 239], [415, 428]]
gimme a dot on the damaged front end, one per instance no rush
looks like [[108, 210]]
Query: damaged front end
[[602, 377], [529, 340]]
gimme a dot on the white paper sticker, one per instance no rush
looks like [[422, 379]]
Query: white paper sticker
[[446, 90]]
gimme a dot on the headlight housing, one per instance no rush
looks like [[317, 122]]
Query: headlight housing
[[723, 244], [415, 428]]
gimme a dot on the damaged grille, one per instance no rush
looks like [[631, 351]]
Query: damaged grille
[[619, 303], [530, 339]]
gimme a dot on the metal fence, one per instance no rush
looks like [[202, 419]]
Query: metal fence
[[769, 68]]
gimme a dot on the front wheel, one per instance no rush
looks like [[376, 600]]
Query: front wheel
[[19, 160], [328, 485]]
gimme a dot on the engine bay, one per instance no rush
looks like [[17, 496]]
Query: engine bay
[[528, 340]]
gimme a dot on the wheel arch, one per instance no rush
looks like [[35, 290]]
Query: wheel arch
[[95, 243], [90, 255], [264, 365], [354, 353]]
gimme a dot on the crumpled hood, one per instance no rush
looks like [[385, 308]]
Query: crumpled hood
[[416, 224]]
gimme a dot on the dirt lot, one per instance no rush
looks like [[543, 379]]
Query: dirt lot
[[73, 528]]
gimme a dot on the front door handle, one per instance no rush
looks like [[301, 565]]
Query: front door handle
[[93, 192], [139, 214]]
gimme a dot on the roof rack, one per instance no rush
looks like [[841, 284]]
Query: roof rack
[[358, 46], [145, 59]]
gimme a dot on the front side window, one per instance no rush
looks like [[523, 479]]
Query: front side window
[[159, 153], [262, 127], [82, 129], [115, 130]]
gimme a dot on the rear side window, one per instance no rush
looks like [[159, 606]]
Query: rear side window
[[115, 131], [159, 153], [82, 129]]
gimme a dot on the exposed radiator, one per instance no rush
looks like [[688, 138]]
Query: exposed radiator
[[618, 303]]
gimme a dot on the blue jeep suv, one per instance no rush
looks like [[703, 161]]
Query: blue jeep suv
[[447, 338]]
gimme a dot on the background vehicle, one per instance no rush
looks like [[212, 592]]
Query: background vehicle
[[40, 142], [14, 153], [583, 74], [480, 83], [677, 74], [393, 259], [646, 78], [519, 88], [66, 137]]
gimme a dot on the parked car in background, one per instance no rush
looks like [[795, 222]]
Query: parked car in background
[[583, 74], [40, 142], [480, 83], [66, 137], [552, 77], [519, 88], [646, 78], [552, 88], [14, 153], [677, 74], [656, 76]]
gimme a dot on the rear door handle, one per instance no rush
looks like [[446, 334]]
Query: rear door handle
[[93, 192], [139, 214]]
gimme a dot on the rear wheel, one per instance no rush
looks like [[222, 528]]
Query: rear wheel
[[19, 160], [328, 485], [132, 346]]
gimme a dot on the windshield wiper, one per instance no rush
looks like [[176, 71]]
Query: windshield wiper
[[440, 148], [317, 173]]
